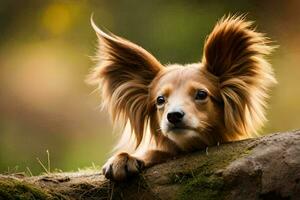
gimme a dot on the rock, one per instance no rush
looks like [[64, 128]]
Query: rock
[[262, 168]]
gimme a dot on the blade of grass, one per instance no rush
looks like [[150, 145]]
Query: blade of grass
[[29, 171], [42, 165], [49, 164]]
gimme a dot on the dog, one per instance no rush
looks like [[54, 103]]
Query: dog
[[167, 110]]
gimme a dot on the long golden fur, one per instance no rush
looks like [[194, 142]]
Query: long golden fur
[[221, 99]]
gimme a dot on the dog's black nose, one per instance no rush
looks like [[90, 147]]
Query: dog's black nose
[[175, 117]]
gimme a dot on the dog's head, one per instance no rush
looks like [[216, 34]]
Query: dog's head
[[221, 98]]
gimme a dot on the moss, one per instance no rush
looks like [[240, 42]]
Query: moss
[[18, 190], [203, 187], [206, 181]]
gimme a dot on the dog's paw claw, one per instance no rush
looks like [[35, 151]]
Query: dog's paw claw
[[121, 167], [107, 171]]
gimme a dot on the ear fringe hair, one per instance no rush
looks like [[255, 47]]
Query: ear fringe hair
[[235, 53], [124, 72]]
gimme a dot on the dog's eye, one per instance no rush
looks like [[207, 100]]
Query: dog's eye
[[201, 95], [160, 100]]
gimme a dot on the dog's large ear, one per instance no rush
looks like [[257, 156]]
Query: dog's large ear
[[124, 72], [235, 53]]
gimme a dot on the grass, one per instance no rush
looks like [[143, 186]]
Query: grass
[[47, 169], [16, 189]]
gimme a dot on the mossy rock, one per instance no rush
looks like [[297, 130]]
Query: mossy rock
[[13, 189], [256, 169]]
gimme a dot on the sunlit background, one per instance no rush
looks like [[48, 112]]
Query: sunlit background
[[45, 49]]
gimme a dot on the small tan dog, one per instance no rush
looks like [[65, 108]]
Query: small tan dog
[[168, 110]]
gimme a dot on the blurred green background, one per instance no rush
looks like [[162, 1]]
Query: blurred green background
[[45, 49]]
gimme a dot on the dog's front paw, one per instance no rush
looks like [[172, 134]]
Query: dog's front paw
[[121, 167]]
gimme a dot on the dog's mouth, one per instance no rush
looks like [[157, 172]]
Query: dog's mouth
[[181, 129]]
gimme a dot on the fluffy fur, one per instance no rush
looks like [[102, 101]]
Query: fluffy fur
[[233, 73], [245, 75]]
